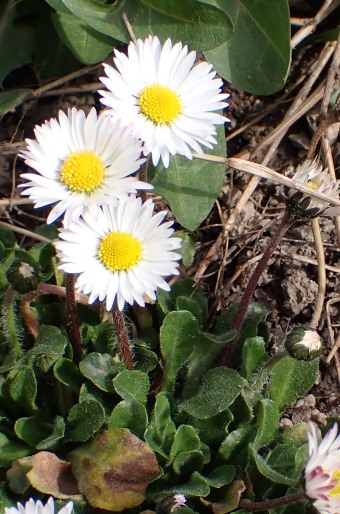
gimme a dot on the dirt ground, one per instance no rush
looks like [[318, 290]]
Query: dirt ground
[[224, 258]]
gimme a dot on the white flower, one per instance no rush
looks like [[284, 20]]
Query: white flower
[[32, 507], [322, 473], [311, 174], [80, 161], [120, 252], [166, 100], [179, 501]]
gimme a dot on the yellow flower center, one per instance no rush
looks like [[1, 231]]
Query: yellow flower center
[[312, 185], [159, 104], [336, 489], [119, 251], [82, 172]]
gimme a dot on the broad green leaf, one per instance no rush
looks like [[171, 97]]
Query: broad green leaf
[[221, 475], [132, 385], [183, 303], [33, 430], [267, 471], [106, 19], [58, 5], [12, 450], [129, 414], [177, 339], [235, 442], [161, 431], [16, 40], [143, 358], [186, 439], [48, 347], [186, 287], [203, 26], [23, 388], [207, 349], [257, 55], [253, 356], [187, 250], [219, 389], [187, 462], [251, 326], [52, 440], [84, 420], [267, 422], [67, 372], [9, 100], [87, 44], [291, 378], [100, 368], [282, 459], [212, 430], [191, 186]]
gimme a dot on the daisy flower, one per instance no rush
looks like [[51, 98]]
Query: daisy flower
[[168, 102], [121, 252], [302, 206], [80, 161], [322, 473], [32, 507]]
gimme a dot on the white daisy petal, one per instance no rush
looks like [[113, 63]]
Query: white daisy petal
[[80, 162], [120, 252], [32, 507], [166, 101], [322, 473]]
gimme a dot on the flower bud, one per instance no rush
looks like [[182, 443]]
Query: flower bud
[[24, 274], [303, 343]]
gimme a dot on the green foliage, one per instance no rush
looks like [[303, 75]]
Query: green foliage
[[257, 56], [291, 378], [191, 187], [201, 421]]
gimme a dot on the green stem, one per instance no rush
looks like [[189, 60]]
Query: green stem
[[285, 224], [123, 340], [272, 504]]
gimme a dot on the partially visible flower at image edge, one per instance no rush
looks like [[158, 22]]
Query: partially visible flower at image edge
[[312, 175], [32, 507], [80, 161], [167, 102], [322, 473], [120, 252]]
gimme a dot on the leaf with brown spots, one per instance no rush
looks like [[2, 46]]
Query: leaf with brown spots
[[114, 469]]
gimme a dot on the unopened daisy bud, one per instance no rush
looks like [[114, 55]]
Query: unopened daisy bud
[[24, 274], [322, 472], [302, 206], [303, 343]]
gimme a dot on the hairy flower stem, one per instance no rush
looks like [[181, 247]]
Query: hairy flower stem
[[26, 299], [73, 321], [9, 320], [272, 504], [123, 340], [285, 224]]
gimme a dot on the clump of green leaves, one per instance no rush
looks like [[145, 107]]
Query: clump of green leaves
[[209, 432]]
